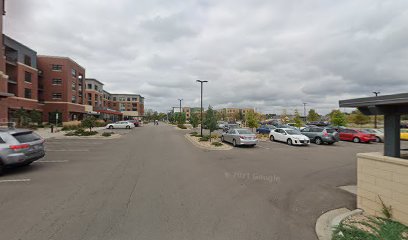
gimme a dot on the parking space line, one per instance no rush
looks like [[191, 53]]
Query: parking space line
[[67, 150], [52, 161], [15, 180], [262, 147]]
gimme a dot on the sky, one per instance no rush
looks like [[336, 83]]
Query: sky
[[265, 54]]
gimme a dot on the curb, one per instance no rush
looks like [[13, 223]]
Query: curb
[[224, 148], [330, 219], [115, 136]]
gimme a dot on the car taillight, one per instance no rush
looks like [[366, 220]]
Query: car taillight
[[18, 147]]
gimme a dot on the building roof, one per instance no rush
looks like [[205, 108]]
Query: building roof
[[59, 57], [395, 103], [7, 38], [95, 80]]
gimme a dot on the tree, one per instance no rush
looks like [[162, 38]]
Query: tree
[[180, 117], [359, 118], [194, 120], [252, 120], [35, 116], [337, 118], [284, 117], [89, 122], [313, 116], [22, 116], [210, 120], [298, 120]]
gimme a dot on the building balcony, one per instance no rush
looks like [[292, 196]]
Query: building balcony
[[11, 60], [12, 81]]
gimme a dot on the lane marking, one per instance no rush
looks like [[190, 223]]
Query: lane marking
[[52, 161], [67, 150], [15, 180]]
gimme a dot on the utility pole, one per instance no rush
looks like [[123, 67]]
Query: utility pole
[[201, 82], [375, 116]]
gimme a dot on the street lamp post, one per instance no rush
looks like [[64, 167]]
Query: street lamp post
[[180, 99], [375, 116], [304, 110], [201, 82]]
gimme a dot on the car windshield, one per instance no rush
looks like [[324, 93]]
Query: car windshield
[[243, 131], [292, 132], [367, 131]]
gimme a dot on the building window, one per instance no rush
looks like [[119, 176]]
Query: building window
[[89, 86], [57, 96], [134, 99], [122, 99], [128, 99], [96, 88], [114, 99], [73, 86], [56, 81], [27, 93], [27, 77], [73, 99], [27, 60], [56, 67], [73, 72]]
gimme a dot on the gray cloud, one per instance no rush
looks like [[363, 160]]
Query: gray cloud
[[265, 54]]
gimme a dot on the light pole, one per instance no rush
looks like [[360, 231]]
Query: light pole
[[375, 116], [201, 82], [304, 110], [180, 99]]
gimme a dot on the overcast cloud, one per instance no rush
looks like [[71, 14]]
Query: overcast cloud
[[266, 54]]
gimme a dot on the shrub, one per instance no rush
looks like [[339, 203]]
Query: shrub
[[181, 126], [217, 144], [106, 134], [70, 134], [194, 134], [89, 133], [204, 139]]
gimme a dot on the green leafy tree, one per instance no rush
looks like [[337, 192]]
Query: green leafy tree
[[89, 122], [22, 116], [35, 116], [181, 118], [210, 120], [297, 119], [359, 118], [337, 118], [313, 116], [194, 120], [252, 120]]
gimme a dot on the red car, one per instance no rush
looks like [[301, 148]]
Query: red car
[[356, 135]]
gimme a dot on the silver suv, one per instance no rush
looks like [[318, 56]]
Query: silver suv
[[19, 147]]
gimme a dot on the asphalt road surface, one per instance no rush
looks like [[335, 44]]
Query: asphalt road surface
[[153, 184]]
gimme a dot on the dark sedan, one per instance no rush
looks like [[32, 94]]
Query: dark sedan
[[265, 129]]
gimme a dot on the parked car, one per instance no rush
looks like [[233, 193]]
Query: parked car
[[320, 135], [404, 134], [356, 136], [379, 134], [239, 136], [19, 147], [120, 124], [230, 126], [289, 135], [221, 124], [319, 124], [265, 129], [135, 122]]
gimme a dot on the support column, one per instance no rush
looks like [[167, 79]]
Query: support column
[[392, 140]]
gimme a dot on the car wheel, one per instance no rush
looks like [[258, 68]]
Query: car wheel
[[378, 139], [110, 127], [127, 127], [318, 141], [289, 141], [330, 143], [222, 138], [1, 168], [234, 143], [272, 138], [356, 140]]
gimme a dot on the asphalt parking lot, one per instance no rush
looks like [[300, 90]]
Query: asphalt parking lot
[[153, 184]]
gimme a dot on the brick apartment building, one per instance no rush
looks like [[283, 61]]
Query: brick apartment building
[[62, 80], [3, 77], [131, 105]]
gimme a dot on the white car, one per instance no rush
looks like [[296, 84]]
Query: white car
[[120, 124], [289, 135]]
